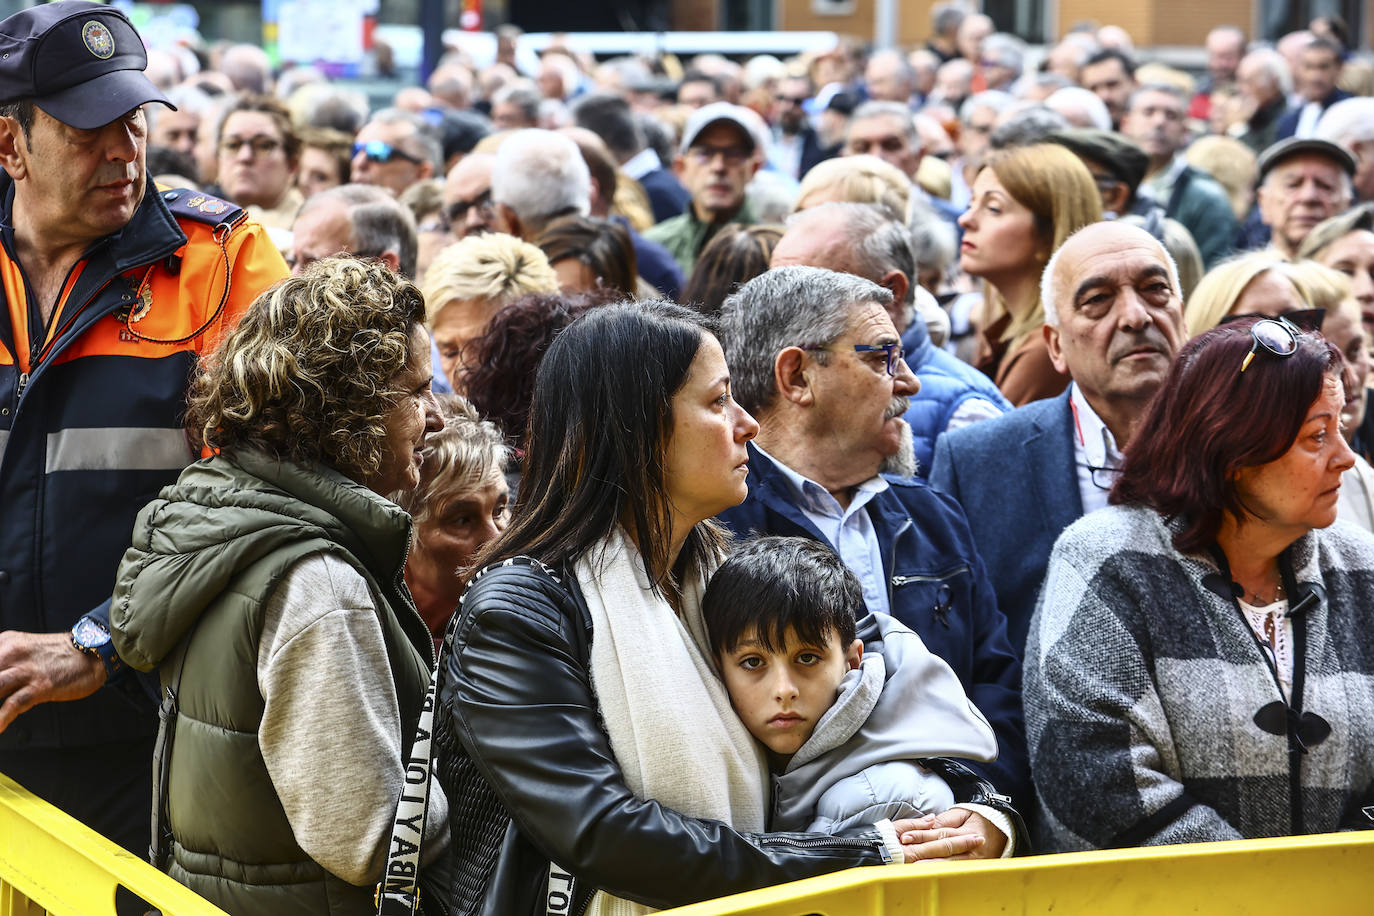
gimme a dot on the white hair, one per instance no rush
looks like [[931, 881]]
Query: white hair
[[1080, 107], [1348, 122], [540, 173], [1273, 65], [994, 99], [1049, 288]]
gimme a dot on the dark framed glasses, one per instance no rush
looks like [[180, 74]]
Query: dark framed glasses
[[380, 152], [892, 353], [1275, 335]]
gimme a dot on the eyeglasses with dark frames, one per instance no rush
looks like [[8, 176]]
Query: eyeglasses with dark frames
[[260, 145], [457, 211], [1277, 336], [1102, 477], [381, 152], [892, 352]]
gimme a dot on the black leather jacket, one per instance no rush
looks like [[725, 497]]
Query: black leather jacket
[[530, 777]]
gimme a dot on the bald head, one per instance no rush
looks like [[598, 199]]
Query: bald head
[[1113, 319], [1087, 245], [857, 239]]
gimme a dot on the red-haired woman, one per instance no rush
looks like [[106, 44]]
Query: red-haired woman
[[1201, 665]]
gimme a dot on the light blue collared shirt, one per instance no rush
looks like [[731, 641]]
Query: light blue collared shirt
[[848, 530]]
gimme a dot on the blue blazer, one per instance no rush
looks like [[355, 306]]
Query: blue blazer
[[936, 585], [1288, 122], [1015, 478]]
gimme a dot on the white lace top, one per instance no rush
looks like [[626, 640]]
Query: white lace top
[[1274, 628]]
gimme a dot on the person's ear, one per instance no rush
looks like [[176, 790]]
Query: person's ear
[[1117, 197], [790, 376], [507, 222], [1053, 342], [897, 283], [391, 259], [679, 165], [426, 170], [854, 654], [13, 149]]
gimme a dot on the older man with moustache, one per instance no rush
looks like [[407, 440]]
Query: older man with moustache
[[1114, 320], [814, 355], [860, 239]]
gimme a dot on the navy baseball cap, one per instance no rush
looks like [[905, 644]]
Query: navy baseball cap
[[79, 61]]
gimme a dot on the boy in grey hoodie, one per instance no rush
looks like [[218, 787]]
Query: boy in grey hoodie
[[850, 729]]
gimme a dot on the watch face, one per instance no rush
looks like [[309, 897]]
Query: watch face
[[89, 634]]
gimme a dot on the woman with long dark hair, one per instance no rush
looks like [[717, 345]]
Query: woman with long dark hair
[[1201, 664], [584, 736]]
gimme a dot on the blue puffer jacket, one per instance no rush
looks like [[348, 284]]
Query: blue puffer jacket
[[946, 382], [936, 586]]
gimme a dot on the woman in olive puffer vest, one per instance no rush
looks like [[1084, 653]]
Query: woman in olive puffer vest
[[266, 587]]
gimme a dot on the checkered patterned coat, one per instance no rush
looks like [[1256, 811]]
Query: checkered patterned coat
[[1141, 686]]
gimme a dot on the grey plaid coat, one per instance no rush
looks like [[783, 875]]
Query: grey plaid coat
[[1141, 686]]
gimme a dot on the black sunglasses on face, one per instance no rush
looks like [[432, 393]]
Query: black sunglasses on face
[[380, 152]]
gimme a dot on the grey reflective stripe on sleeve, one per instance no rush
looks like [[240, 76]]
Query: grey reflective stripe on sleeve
[[4, 437], [118, 448]]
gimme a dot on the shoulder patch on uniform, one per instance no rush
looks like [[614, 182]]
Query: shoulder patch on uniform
[[186, 203]]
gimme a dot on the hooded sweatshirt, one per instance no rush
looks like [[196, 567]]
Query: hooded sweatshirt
[[858, 767]]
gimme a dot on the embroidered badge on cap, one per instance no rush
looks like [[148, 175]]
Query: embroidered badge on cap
[[98, 39]]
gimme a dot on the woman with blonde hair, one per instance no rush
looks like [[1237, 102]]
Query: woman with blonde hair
[[860, 180], [1026, 201], [1253, 283], [460, 504], [470, 281]]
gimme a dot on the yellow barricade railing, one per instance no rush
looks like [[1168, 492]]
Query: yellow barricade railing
[[50, 862], [1329, 874]]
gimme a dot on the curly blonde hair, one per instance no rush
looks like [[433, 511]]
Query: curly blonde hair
[[493, 267], [308, 375]]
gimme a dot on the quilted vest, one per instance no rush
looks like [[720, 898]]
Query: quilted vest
[[190, 599]]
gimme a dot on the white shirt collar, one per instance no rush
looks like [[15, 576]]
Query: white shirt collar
[[1096, 440], [642, 163], [812, 497]]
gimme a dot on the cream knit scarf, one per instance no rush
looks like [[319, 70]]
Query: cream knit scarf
[[671, 726]]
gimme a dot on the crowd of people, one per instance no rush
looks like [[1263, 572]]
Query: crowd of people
[[616, 484]]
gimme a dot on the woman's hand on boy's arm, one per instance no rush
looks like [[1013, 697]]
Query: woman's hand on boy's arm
[[956, 833], [924, 839]]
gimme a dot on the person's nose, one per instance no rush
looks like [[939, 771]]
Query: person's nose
[[966, 219], [123, 146], [784, 685], [359, 166], [244, 153], [904, 381], [746, 427], [1132, 315], [1344, 459], [434, 420]]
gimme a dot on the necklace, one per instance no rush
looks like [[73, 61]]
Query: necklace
[[1257, 599]]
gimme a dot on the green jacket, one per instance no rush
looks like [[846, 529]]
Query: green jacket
[[685, 235], [189, 599]]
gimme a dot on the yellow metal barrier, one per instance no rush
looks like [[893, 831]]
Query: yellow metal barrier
[[50, 862], [1328, 874]]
